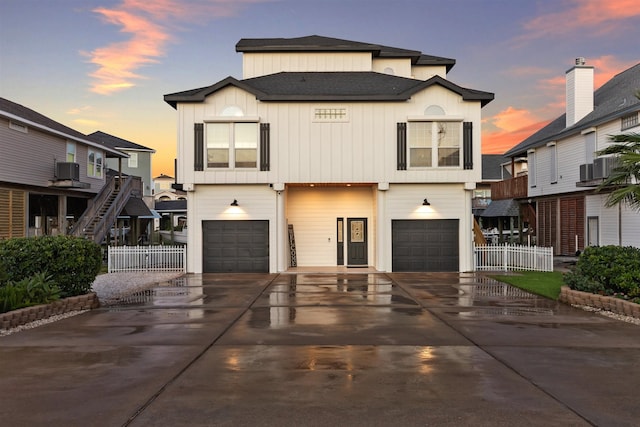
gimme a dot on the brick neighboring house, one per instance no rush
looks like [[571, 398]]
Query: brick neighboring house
[[53, 179], [564, 169], [330, 152]]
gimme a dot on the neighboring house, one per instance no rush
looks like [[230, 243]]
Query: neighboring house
[[330, 152], [138, 163], [48, 173], [162, 183], [564, 169]]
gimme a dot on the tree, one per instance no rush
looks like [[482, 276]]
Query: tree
[[625, 176]]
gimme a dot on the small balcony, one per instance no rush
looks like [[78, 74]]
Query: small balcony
[[514, 188]]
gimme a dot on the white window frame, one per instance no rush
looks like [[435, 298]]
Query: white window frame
[[435, 144], [95, 167], [232, 146], [132, 161], [629, 121], [71, 152], [18, 127]]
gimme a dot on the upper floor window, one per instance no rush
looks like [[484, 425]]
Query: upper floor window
[[133, 160], [231, 144], [630, 121], [71, 152], [94, 164], [434, 143]]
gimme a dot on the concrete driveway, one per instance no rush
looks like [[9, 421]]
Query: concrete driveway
[[306, 349]]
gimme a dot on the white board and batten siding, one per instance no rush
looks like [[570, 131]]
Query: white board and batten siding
[[361, 148], [212, 202], [260, 64], [313, 212], [448, 201]]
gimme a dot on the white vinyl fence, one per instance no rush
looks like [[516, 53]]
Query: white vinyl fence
[[147, 258], [512, 257]]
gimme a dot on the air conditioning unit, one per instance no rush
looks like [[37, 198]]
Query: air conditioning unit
[[586, 172], [67, 171], [602, 167]]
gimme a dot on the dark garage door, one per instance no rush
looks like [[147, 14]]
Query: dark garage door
[[425, 245], [235, 246]]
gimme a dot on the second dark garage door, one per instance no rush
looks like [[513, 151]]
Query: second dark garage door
[[425, 245], [235, 246]]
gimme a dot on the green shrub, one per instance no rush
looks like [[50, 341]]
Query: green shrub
[[34, 290], [607, 269], [72, 263]]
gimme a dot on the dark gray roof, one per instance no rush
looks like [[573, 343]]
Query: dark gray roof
[[616, 98], [135, 207], [117, 143], [328, 44], [171, 205], [491, 166], [27, 114], [329, 86], [502, 208]]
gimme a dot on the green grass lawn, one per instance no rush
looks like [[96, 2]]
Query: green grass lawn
[[546, 284]]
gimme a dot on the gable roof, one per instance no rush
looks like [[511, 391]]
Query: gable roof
[[29, 117], [614, 99], [118, 143], [329, 86], [317, 43]]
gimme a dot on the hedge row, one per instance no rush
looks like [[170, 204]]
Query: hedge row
[[607, 270], [71, 263]]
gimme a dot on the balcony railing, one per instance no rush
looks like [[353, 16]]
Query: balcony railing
[[514, 188]]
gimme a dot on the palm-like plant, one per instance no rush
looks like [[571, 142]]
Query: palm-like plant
[[625, 177]]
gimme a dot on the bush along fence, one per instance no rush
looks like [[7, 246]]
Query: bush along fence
[[512, 257], [146, 258]]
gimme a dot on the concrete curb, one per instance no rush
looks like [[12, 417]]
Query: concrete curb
[[25, 315]]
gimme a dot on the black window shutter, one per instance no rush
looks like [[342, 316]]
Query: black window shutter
[[265, 147], [198, 146], [467, 145], [402, 146]]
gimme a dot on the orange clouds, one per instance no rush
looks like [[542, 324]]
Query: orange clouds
[[514, 125], [148, 23], [594, 16]]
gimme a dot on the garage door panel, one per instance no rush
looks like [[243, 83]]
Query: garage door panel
[[425, 245], [235, 246]]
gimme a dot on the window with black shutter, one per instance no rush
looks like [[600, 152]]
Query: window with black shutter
[[265, 147], [467, 145], [402, 146], [198, 146]]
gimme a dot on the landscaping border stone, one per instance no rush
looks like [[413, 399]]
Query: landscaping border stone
[[25, 315], [603, 302]]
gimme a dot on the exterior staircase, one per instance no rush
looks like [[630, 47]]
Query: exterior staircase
[[103, 210]]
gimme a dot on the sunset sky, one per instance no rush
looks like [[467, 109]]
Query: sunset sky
[[106, 64]]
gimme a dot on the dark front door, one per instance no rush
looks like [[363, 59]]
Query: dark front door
[[357, 242]]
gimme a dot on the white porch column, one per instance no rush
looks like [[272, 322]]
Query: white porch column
[[281, 229], [382, 264]]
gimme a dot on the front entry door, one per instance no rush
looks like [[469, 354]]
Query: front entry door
[[357, 242]]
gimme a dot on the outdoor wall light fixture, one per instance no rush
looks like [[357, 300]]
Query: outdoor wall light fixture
[[426, 203], [235, 202]]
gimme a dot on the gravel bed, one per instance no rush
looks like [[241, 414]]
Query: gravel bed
[[611, 314], [110, 289]]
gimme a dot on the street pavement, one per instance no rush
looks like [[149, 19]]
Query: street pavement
[[325, 349]]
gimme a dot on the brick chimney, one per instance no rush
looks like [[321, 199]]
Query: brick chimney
[[579, 91]]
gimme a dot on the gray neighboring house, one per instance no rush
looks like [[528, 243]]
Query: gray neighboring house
[[49, 174], [138, 163], [564, 169]]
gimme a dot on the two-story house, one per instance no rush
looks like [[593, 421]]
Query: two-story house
[[564, 169], [137, 164], [48, 172], [330, 152]]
